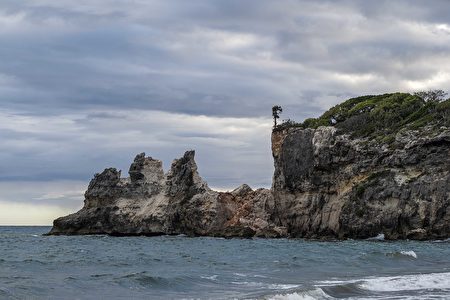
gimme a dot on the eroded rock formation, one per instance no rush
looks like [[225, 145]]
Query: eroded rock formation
[[326, 185], [150, 202]]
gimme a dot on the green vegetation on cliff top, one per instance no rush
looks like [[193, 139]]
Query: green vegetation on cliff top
[[380, 116]]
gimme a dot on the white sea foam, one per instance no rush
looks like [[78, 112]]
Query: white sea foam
[[315, 294], [409, 253], [408, 282], [379, 237], [282, 286], [404, 253], [405, 283], [212, 277], [271, 286], [337, 282], [442, 241]]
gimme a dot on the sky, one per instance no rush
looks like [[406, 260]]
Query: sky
[[88, 84]]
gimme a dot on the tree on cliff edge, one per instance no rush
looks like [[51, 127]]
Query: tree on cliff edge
[[432, 95], [276, 110]]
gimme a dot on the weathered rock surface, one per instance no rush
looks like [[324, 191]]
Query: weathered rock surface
[[150, 202], [329, 185], [325, 185]]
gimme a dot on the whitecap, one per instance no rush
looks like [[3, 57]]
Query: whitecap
[[271, 286], [279, 286], [212, 277], [337, 282], [404, 253], [409, 253], [408, 282], [314, 294]]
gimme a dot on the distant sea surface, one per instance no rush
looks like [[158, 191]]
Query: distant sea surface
[[33, 266]]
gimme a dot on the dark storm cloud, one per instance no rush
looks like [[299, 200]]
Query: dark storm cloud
[[87, 84]]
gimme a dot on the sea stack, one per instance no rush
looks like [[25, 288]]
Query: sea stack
[[150, 202]]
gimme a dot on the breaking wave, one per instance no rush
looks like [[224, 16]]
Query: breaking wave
[[313, 294], [408, 282], [417, 286], [379, 237], [403, 254]]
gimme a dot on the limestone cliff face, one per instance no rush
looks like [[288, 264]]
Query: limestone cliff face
[[327, 184], [150, 202]]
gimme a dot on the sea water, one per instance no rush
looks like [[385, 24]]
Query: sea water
[[33, 266]]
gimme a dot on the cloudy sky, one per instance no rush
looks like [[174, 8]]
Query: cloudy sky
[[87, 84]]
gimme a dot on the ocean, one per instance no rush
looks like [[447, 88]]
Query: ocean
[[33, 266]]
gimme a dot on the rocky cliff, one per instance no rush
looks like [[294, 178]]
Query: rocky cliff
[[150, 202], [381, 166], [330, 185]]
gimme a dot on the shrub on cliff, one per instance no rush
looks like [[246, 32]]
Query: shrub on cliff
[[380, 116]]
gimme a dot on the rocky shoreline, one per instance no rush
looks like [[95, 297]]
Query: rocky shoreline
[[326, 185]]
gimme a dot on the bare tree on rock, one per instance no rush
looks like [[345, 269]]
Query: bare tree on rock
[[431, 95]]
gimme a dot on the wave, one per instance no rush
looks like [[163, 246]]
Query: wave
[[408, 282], [424, 286], [442, 241], [270, 286], [31, 260], [312, 294], [146, 280], [212, 277], [403, 253], [379, 237], [5, 293], [142, 278], [100, 275], [409, 253]]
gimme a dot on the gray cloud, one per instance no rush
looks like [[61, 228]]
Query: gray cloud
[[224, 58], [77, 145], [87, 84]]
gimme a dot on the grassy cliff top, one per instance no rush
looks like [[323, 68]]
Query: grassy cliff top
[[380, 116]]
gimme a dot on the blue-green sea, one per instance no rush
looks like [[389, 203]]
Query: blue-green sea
[[33, 266]]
